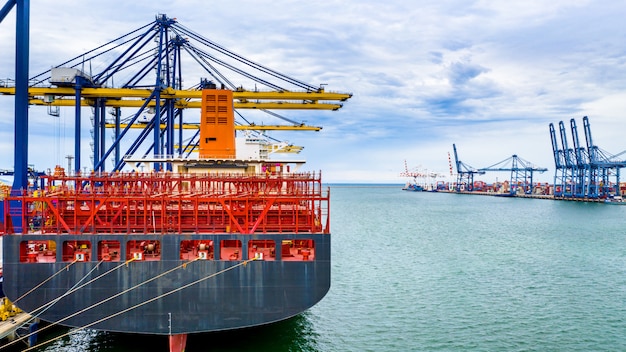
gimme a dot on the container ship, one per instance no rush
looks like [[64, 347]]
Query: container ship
[[221, 244], [225, 238]]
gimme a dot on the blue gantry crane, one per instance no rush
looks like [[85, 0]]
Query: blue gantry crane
[[584, 171], [22, 34], [604, 167], [142, 72], [465, 173], [521, 173], [582, 180]]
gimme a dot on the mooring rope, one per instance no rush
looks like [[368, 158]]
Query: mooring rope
[[244, 263], [77, 287], [47, 305], [44, 281], [112, 297]]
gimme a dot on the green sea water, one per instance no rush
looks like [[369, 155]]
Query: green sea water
[[419, 271]]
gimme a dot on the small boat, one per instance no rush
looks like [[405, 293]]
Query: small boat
[[412, 187], [615, 200]]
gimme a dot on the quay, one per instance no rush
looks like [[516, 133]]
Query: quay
[[9, 328], [522, 195]]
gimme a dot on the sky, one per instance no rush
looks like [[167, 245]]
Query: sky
[[486, 76]]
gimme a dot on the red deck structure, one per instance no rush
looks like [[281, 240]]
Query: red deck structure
[[164, 202]]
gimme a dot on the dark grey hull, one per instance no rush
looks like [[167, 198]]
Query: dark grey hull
[[203, 296]]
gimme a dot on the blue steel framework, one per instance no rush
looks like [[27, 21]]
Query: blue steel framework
[[465, 173], [521, 172], [20, 148], [137, 59], [20, 178], [583, 171], [173, 40]]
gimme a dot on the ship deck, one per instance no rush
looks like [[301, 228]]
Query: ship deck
[[171, 203]]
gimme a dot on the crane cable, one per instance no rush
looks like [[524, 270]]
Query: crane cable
[[244, 263]]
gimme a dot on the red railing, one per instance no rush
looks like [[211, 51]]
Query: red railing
[[172, 203]]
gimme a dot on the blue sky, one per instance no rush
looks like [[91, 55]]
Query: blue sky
[[488, 76]]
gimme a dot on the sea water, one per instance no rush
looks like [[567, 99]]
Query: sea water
[[420, 271]]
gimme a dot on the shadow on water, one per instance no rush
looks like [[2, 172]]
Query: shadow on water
[[295, 334]]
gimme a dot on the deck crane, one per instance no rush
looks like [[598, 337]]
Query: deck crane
[[521, 173], [143, 70], [465, 173]]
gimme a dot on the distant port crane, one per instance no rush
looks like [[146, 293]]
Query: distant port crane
[[584, 171], [521, 173], [465, 173]]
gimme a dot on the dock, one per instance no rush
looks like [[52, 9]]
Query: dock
[[523, 195], [9, 327]]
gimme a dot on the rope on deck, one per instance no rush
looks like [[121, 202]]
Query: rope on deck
[[244, 263]]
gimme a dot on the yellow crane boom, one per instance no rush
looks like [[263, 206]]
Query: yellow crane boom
[[133, 97], [254, 127]]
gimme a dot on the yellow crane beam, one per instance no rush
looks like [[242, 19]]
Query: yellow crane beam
[[170, 93], [286, 149], [254, 127], [183, 104], [293, 149], [131, 97]]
